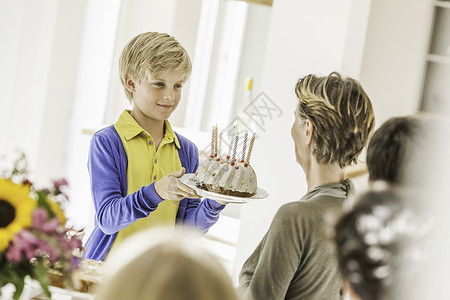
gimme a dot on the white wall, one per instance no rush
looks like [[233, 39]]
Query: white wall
[[60, 89], [39, 63], [26, 73], [356, 37], [394, 55], [11, 19]]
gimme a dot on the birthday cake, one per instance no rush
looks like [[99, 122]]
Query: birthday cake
[[228, 175]]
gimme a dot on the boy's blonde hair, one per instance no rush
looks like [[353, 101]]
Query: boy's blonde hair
[[150, 54], [341, 114]]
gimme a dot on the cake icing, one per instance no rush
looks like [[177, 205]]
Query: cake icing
[[238, 179], [229, 176]]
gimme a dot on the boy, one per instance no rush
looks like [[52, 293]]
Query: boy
[[135, 164]]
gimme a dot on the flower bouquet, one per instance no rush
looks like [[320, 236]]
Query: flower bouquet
[[33, 238]]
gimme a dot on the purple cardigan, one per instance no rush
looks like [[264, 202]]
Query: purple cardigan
[[115, 210]]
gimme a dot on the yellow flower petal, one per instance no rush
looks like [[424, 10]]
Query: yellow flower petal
[[19, 197], [56, 209]]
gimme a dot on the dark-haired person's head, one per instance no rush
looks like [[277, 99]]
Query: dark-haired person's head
[[394, 149], [380, 245]]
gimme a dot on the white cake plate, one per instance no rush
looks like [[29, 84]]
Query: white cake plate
[[188, 179]]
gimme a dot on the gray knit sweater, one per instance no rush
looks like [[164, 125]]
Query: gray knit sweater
[[295, 259]]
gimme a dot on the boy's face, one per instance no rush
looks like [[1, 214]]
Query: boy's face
[[155, 98]]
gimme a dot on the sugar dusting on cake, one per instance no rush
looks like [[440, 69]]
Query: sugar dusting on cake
[[228, 175]]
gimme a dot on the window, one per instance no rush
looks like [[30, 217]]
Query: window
[[216, 64]]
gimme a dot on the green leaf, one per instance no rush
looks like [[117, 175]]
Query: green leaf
[[42, 201], [3, 279], [40, 273], [17, 280]]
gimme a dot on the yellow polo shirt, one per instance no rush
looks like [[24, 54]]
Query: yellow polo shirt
[[146, 165]]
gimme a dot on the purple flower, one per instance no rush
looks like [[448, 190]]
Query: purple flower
[[59, 183], [25, 238], [24, 243], [74, 243], [53, 254], [40, 216], [14, 254], [75, 261], [50, 226], [40, 222]]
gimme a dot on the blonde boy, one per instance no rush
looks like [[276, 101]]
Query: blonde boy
[[135, 164]]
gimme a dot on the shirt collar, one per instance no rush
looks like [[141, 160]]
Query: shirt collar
[[170, 134], [338, 190], [130, 129]]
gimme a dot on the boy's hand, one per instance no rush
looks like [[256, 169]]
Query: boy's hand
[[170, 188]]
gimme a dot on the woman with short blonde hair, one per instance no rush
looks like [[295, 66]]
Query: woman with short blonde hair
[[295, 259]]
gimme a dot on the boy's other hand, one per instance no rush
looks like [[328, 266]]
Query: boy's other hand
[[170, 188]]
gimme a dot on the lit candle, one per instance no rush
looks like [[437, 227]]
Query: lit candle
[[231, 143], [220, 146], [244, 147], [215, 140], [250, 147], [233, 158], [212, 142]]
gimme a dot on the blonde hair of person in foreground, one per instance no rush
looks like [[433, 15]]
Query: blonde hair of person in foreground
[[165, 264]]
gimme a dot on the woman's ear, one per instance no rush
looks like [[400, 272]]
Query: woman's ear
[[129, 83], [309, 129]]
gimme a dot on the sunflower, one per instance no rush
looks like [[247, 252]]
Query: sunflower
[[16, 207]]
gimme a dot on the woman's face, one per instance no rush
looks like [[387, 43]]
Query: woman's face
[[298, 135]]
